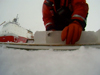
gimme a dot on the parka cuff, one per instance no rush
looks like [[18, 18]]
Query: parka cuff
[[82, 23]]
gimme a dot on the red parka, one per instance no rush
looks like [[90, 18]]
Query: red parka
[[77, 10]]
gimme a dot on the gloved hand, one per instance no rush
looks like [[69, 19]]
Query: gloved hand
[[71, 33]]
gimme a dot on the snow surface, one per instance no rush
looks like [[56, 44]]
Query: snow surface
[[85, 61]]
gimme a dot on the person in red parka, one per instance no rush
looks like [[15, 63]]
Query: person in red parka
[[68, 16]]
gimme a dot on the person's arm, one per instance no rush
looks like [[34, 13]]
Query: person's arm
[[72, 32], [47, 17], [80, 11]]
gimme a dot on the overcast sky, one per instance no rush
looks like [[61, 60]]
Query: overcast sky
[[30, 13]]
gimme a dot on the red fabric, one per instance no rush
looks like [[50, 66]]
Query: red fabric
[[71, 33], [47, 16], [79, 7]]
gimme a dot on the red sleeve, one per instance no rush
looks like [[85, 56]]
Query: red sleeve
[[47, 17], [80, 9]]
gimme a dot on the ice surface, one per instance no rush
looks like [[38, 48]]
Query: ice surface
[[54, 37], [98, 35], [84, 61], [39, 37]]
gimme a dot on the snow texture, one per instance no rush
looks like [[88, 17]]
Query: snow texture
[[84, 61]]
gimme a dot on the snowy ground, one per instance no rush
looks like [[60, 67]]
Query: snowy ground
[[85, 61]]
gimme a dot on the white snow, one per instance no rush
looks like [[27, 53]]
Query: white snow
[[85, 61]]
